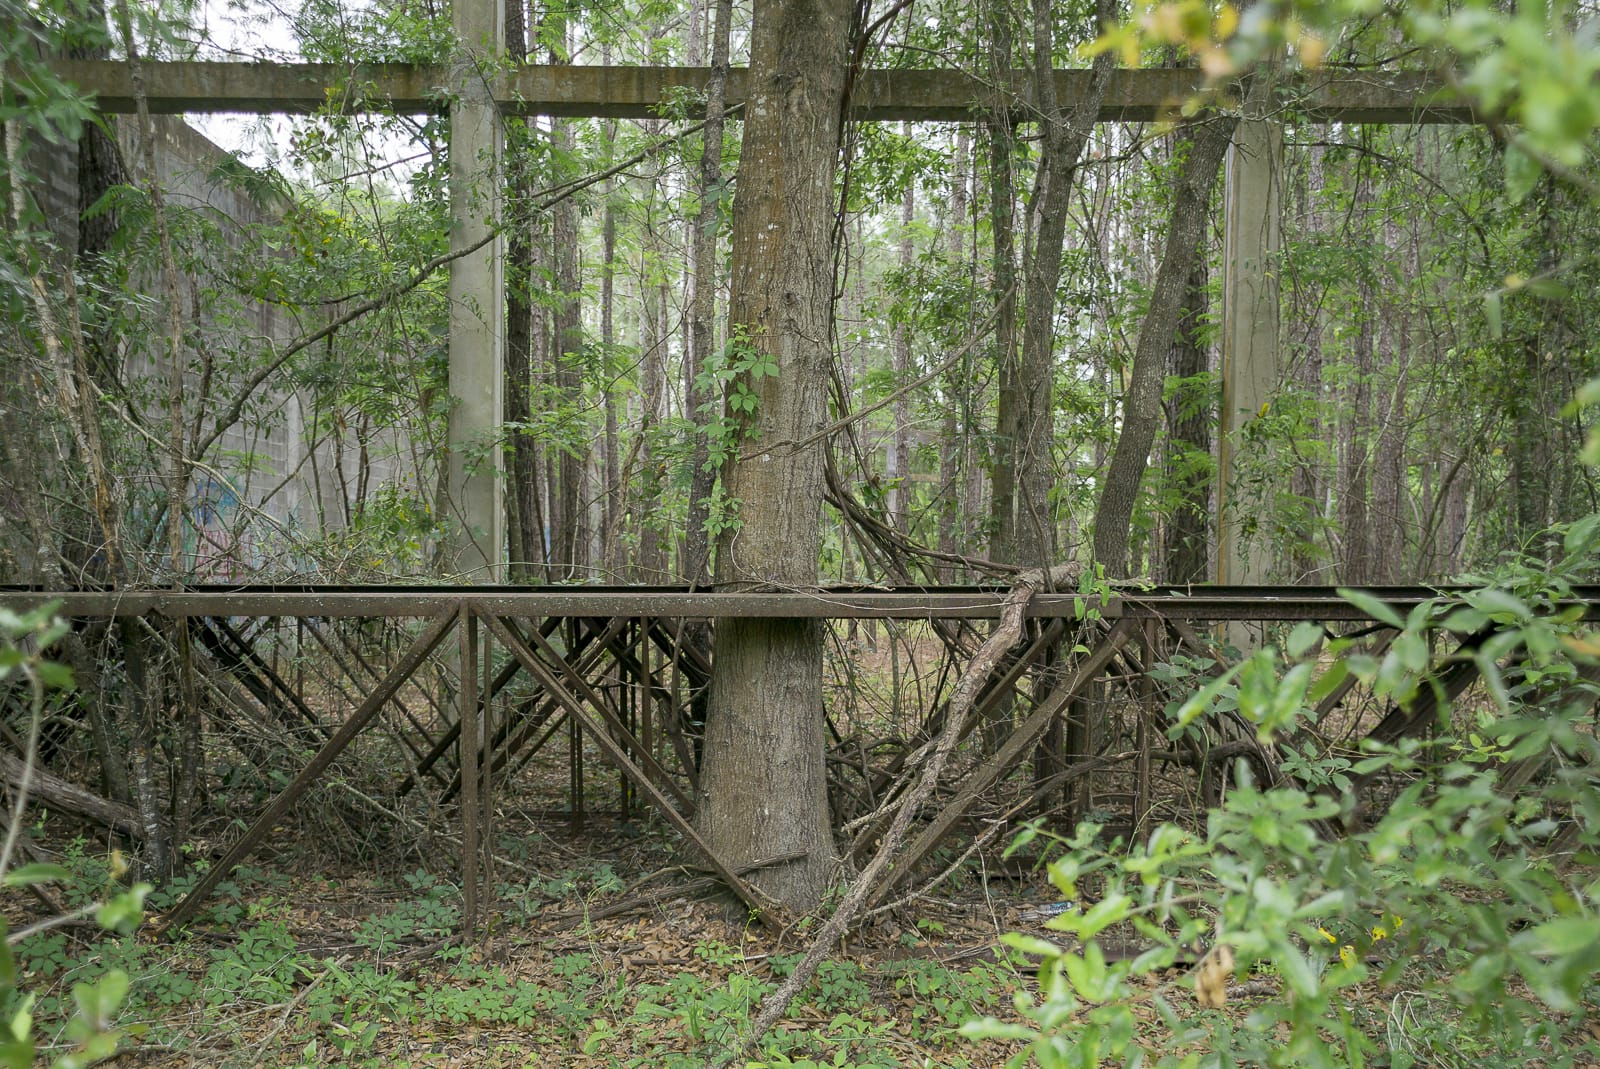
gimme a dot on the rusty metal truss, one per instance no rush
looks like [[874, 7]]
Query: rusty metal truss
[[625, 670]]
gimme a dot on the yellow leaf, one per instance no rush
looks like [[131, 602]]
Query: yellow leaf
[[1215, 62], [1227, 22], [1211, 977], [1311, 50]]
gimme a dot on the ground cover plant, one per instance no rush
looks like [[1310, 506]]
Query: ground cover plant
[[247, 374]]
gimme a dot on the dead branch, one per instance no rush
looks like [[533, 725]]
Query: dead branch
[[966, 692], [61, 794]]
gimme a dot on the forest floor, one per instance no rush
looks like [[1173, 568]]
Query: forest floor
[[596, 951], [341, 943]]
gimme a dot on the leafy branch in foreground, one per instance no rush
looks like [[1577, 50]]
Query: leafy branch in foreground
[[90, 1032], [1473, 887]]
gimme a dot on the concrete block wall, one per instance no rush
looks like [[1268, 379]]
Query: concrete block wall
[[268, 486]]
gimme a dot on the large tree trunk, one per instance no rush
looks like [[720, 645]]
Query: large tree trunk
[[1141, 405], [764, 784]]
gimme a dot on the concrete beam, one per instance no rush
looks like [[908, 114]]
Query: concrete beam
[[1251, 356], [476, 481], [639, 92]]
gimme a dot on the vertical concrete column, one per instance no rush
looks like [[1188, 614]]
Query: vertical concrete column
[[1251, 358], [477, 294]]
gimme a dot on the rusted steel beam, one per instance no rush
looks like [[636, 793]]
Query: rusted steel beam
[[597, 703], [1002, 686], [409, 662], [239, 658], [586, 652], [1451, 677], [175, 87], [769, 912], [970, 603], [549, 602], [469, 714], [452, 731], [362, 682]]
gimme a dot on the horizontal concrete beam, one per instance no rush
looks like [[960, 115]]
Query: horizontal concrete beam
[[642, 92]]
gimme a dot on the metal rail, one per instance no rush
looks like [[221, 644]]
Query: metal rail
[[1198, 603]]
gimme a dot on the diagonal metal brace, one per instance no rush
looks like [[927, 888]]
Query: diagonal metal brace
[[409, 662], [768, 911]]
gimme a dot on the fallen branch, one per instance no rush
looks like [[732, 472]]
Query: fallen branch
[[60, 794], [961, 700]]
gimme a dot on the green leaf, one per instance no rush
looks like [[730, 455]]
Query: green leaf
[[1498, 602], [994, 1028], [1303, 638], [1493, 315], [36, 873], [53, 675], [1103, 914], [1522, 174], [1373, 606], [1031, 944], [1329, 681], [124, 912]]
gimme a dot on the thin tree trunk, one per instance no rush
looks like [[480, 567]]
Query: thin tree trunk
[[525, 535], [702, 314], [953, 445], [611, 551], [567, 346], [899, 467], [1141, 405], [1003, 149], [1354, 521], [1187, 532], [1032, 525], [1388, 468]]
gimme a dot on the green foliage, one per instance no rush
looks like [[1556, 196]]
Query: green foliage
[[90, 1033], [32, 94], [1445, 891]]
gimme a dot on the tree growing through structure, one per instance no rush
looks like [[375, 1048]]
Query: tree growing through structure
[[764, 781]]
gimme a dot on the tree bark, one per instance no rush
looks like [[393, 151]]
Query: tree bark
[[58, 793], [1033, 536], [1187, 542], [899, 466], [764, 783], [954, 446], [613, 557], [1141, 406], [1003, 150], [703, 308], [526, 535], [567, 552], [1354, 522]]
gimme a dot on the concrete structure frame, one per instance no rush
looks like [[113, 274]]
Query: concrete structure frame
[[477, 92]]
